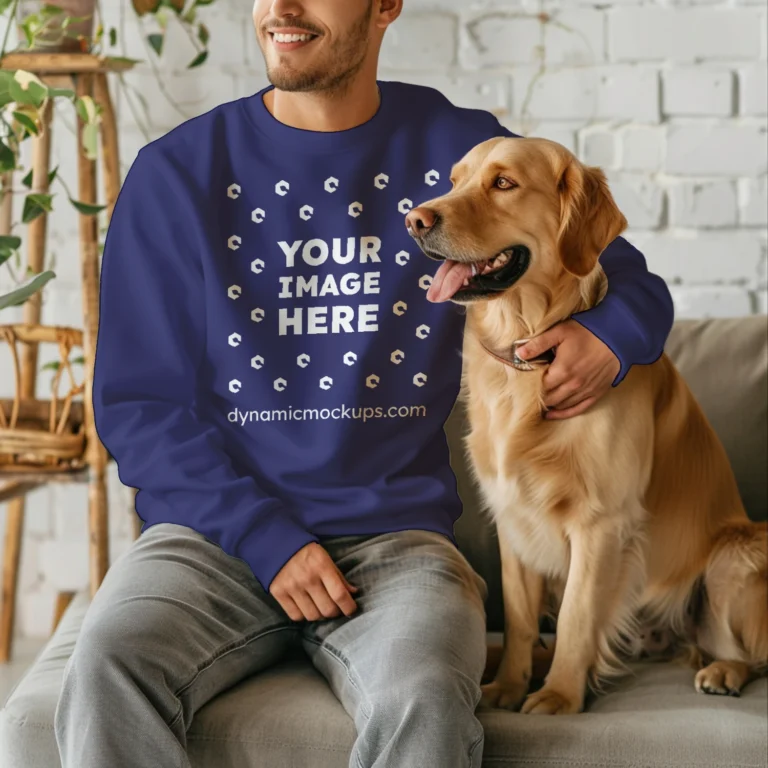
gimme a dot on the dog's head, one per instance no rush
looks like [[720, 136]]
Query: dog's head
[[519, 209]]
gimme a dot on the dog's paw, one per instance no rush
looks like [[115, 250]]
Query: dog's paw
[[548, 701], [502, 695], [721, 678]]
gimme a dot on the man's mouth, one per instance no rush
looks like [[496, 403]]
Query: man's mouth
[[464, 280], [289, 41]]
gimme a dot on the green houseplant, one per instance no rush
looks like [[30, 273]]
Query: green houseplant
[[66, 26]]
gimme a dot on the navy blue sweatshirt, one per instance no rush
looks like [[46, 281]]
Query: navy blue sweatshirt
[[269, 370]]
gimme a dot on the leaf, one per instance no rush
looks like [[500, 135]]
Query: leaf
[[203, 35], [26, 289], [6, 76], [53, 365], [29, 26], [49, 11], [27, 180], [7, 158], [198, 60], [122, 59], [8, 246], [156, 41], [112, 37], [89, 209], [33, 90], [4, 4], [9, 242], [90, 140], [35, 205], [87, 109], [63, 93], [29, 121]]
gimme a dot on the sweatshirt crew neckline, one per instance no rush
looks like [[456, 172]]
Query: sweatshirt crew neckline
[[302, 139]]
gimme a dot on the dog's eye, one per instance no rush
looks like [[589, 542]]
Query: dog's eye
[[504, 183]]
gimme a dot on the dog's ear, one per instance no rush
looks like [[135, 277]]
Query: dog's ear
[[589, 217]]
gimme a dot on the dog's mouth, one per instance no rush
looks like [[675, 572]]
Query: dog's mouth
[[462, 280]]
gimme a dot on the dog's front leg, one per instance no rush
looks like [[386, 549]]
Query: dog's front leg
[[593, 577], [522, 591]]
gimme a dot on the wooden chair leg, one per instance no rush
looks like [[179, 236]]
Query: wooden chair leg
[[110, 155], [137, 522], [36, 237], [63, 599], [96, 454], [98, 526], [110, 167], [14, 527]]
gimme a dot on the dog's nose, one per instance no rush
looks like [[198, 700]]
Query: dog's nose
[[419, 221]]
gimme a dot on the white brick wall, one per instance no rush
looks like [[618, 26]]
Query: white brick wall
[[669, 96]]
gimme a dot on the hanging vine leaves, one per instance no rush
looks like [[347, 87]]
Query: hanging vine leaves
[[156, 42], [9, 244], [29, 117], [89, 209], [7, 158], [198, 60], [27, 180], [35, 205], [26, 289]]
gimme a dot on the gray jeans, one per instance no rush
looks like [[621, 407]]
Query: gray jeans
[[177, 620]]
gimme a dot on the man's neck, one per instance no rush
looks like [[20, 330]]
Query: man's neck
[[325, 111]]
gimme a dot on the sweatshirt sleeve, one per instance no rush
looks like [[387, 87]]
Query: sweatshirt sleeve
[[636, 314], [150, 347]]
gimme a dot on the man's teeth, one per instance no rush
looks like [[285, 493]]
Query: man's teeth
[[281, 38]]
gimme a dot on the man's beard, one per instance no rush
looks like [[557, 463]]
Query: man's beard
[[345, 60]]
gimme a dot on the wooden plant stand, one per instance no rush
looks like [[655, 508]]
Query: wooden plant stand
[[86, 74]]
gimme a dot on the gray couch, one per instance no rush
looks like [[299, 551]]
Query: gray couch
[[288, 718]]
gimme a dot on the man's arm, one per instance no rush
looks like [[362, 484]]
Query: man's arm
[[151, 343], [636, 314]]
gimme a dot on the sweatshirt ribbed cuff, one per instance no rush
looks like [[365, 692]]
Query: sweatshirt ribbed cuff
[[269, 547], [618, 330]]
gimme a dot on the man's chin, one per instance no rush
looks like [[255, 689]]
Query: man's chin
[[285, 79]]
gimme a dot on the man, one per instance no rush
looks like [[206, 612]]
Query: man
[[272, 379]]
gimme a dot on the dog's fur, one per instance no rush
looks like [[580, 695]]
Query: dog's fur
[[627, 511]]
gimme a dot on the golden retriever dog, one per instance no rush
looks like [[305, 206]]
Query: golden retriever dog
[[627, 513]]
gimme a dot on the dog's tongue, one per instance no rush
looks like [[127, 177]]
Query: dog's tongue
[[447, 280]]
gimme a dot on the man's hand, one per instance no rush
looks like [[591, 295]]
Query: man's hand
[[582, 372], [310, 586]]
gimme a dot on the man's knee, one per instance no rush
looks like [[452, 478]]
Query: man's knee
[[121, 647], [437, 697]]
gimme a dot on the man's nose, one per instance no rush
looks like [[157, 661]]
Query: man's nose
[[420, 220]]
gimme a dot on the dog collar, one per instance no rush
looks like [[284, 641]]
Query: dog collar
[[545, 358]]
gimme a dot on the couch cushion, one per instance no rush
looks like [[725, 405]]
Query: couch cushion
[[725, 363], [288, 717]]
